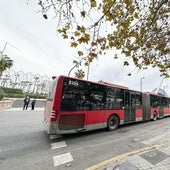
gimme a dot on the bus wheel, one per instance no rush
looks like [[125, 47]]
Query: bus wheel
[[155, 116], [112, 123]]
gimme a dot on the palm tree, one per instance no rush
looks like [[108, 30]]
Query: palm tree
[[5, 63], [79, 74]]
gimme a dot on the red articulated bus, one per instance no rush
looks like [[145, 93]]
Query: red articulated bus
[[75, 105]]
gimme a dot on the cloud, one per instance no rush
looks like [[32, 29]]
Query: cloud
[[42, 51]]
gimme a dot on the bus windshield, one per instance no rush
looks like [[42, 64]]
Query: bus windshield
[[52, 89]]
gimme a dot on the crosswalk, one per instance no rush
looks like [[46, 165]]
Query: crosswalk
[[62, 158]]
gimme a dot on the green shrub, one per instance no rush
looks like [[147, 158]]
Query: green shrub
[[38, 96], [18, 93], [1, 93], [12, 90], [12, 95]]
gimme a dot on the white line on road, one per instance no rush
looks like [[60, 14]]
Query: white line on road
[[61, 159], [58, 145], [55, 137]]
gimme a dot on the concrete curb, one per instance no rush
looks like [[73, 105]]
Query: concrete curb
[[132, 160]]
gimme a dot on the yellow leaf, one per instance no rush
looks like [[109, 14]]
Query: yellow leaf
[[132, 9], [74, 44], [93, 3], [81, 28], [93, 44], [90, 60], [65, 36], [127, 2], [77, 33], [136, 15], [80, 53], [86, 64], [92, 54]]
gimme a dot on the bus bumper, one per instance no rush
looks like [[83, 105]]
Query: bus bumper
[[50, 128]]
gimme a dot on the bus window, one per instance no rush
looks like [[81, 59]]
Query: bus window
[[133, 99], [74, 95], [154, 101], [96, 97], [119, 98], [138, 100], [164, 102], [114, 98]]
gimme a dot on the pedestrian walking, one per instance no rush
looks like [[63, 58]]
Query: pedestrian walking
[[26, 103], [33, 104]]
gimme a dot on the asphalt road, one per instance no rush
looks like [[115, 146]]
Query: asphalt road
[[24, 144]]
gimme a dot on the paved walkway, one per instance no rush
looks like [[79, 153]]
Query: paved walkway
[[153, 157], [21, 109]]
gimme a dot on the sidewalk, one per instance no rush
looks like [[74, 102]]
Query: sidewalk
[[21, 109], [16, 104], [154, 157]]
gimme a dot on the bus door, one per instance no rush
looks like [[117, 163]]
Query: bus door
[[147, 102], [161, 112], [161, 108], [129, 107]]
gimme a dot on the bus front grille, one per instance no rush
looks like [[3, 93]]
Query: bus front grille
[[71, 121]]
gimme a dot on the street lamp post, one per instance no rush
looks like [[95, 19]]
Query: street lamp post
[[88, 69], [141, 83]]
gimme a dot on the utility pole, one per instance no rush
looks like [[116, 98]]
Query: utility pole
[[141, 83], [88, 69]]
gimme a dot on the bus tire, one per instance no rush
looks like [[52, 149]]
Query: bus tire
[[112, 123], [155, 116]]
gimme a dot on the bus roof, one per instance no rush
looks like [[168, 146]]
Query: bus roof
[[102, 83], [114, 85], [156, 94]]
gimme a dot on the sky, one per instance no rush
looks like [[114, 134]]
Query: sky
[[35, 46]]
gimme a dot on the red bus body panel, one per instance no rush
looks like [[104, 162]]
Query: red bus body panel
[[64, 122]]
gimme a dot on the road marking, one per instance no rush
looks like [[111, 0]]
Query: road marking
[[58, 145], [61, 159], [118, 158], [55, 137]]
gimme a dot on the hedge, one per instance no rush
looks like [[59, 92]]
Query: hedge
[[38, 96], [2, 94], [12, 90], [18, 93]]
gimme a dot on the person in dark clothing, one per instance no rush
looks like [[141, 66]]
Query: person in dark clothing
[[26, 103], [33, 104]]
